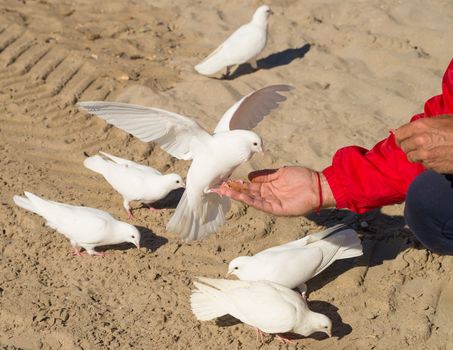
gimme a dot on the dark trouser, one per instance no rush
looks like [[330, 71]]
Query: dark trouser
[[429, 211]]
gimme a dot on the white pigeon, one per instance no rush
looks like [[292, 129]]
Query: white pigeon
[[135, 182], [292, 264], [214, 157], [267, 306], [244, 45], [85, 227]]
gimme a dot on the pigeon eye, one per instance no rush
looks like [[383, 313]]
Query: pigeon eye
[[236, 268], [255, 143], [177, 181], [133, 236]]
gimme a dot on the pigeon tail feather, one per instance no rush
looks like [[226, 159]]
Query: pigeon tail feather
[[26, 204], [211, 64], [197, 221], [95, 163], [206, 302]]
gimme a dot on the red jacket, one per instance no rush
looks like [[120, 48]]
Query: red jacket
[[363, 179]]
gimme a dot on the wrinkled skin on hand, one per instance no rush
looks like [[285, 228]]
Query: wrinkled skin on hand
[[428, 141], [288, 191]]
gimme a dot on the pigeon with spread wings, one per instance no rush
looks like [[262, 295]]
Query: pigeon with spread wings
[[214, 157]]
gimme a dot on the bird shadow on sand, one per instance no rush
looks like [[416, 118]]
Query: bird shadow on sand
[[339, 329], [277, 59], [169, 202], [148, 240], [227, 321], [383, 238]]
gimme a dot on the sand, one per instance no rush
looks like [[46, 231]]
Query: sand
[[359, 68]]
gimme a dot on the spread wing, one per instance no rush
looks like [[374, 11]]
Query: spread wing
[[251, 109], [173, 132]]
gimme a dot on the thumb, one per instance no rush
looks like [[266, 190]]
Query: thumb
[[264, 175]]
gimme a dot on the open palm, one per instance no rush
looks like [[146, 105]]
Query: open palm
[[288, 191]]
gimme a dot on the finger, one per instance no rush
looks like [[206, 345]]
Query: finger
[[417, 156], [246, 197], [237, 185], [264, 175], [406, 131], [255, 187], [257, 203], [410, 144], [440, 160], [241, 186]]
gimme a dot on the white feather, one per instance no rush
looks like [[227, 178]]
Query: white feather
[[294, 263], [173, 132], [264, 305], [241, 46], [135, 182], [214, 157], [84, 227], [130, 163]]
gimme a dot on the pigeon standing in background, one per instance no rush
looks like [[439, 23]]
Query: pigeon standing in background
[[267, 306], [214, 157], [244, 45], [292, 264], [85, 227], [135, 182]]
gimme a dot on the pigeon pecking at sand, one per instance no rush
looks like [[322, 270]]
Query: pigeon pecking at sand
[[267, 306], [85, 227]]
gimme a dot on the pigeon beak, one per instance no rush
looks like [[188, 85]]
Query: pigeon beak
[[228, 274], [329, 333], [260, 150], [271, 12], [138, 246]]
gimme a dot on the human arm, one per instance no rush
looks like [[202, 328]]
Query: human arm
[[358, 179], [364, 179]]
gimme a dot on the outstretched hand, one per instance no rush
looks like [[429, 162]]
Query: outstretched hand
[[287, 191]]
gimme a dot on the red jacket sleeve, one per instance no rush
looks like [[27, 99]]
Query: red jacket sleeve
[[363, 179]]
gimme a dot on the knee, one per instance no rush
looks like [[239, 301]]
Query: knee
[[419, 203], [423, 216]]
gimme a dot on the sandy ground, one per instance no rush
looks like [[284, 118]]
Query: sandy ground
[[360, 68]]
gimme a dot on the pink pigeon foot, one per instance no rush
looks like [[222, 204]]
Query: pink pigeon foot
[[129, 214], [100, 254], [284, 340], [77, 252], [218, 190], [152, 208], [259, 335]]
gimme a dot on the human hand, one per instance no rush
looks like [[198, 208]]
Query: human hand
[[288, 191], [428, 141]]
